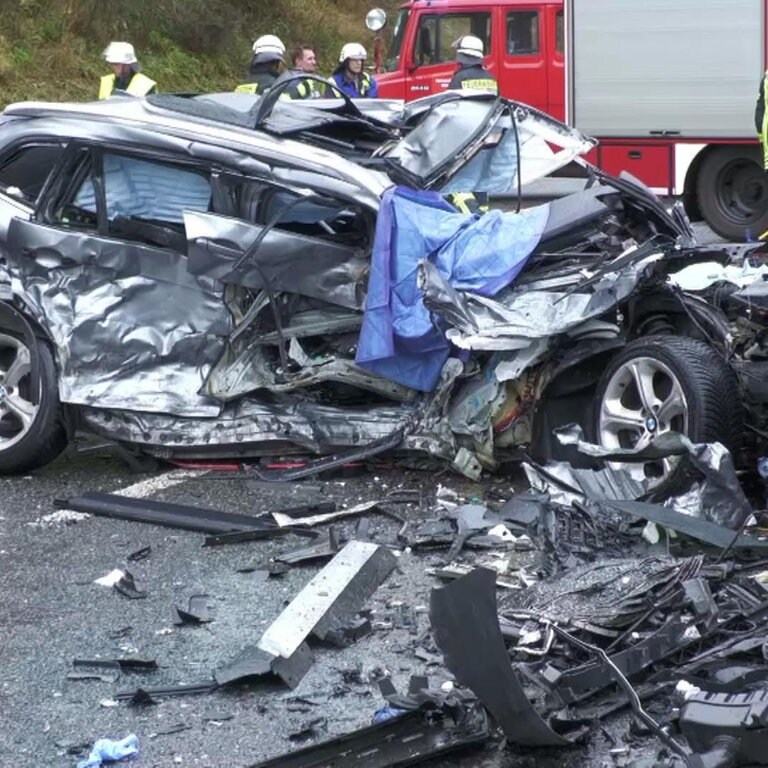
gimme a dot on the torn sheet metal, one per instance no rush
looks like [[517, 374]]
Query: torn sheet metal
[[518, 317], [717, 496], [462, 144], [696, 528], [243, 425], [466, 626], [283, 261], [132, 327], [337, 591]]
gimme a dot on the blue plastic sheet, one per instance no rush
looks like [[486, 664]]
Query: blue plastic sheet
[[482, 254]]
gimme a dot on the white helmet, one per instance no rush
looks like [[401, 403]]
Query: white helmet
[[352, 51], [119, 53], [469, 45], [269, 47]]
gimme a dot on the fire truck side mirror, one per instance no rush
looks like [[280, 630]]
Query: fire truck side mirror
[[376, 19]]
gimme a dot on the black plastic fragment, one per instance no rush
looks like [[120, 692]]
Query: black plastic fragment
[[465, 623], [406, 740], [139, 554], [127, 586], [163, 513], [145, 695], [196, 613], [95, 669], [323, 547]]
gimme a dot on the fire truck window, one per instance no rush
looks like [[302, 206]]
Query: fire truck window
[[438, 33], [522, 33], [559, 33]]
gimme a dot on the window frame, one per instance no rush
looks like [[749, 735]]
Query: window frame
[[438, 18], [29, 142], [533, 13], [83, 157]]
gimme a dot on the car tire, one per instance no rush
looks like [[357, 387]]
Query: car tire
[[732, 192], [686, 387], [31, 435]]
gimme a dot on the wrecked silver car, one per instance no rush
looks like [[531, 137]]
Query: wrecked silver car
[[180, 277]]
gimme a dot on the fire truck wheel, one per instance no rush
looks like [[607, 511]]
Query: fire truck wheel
[[732, 191]]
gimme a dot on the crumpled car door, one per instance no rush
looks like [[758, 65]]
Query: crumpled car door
[[132, 328], [258, 256], [471, 144]]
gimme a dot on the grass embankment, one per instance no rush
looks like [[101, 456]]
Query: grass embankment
[[50, 49]]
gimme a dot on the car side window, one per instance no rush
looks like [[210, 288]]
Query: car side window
[[143, 199], [24, 172], [438, 33], [260, 202], [523, 33], [148, 190]]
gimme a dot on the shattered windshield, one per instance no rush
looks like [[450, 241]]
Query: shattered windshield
[[397, 41], [442, 134]]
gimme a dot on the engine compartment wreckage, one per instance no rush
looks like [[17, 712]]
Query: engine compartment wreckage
[[180, 277]]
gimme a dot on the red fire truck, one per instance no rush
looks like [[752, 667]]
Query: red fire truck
[[668, 86]]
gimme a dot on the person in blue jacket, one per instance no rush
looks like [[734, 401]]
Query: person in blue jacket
[[349, 75]]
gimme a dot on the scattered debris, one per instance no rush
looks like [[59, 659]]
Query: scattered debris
[[410, 738], [61, 517]]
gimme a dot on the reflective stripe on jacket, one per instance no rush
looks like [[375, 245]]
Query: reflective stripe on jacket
[[140, 85], [475, 77], [764, 122]]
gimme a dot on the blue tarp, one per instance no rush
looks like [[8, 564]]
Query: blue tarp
[[482, 254]]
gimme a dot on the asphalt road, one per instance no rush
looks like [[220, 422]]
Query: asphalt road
[[52, 612]]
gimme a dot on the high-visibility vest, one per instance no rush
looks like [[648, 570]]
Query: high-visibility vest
[[252, 88], [140, 85], [469, 202]]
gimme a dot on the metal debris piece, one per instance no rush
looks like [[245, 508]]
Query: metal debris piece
[[283, 519], [337, 591]]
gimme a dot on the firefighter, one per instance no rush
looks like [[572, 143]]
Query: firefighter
[[267, 61], [761, 118], [349, 75], [125, 72], [471, 73]]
